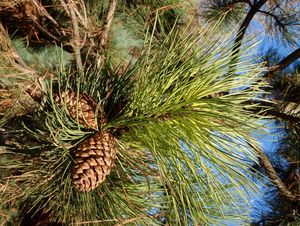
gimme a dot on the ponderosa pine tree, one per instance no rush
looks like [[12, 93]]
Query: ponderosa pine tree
[[110, 116]]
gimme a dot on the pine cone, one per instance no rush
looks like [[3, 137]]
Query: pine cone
[[94, 160], [86, 108]]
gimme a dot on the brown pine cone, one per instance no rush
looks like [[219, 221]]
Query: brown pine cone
[[94, 160], [86, 108]]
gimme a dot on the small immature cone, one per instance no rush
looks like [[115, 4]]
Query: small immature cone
[[86, 108], [94, 160]]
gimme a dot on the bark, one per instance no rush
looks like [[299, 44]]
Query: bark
[[285, 111], [289, 108], [245, 24], [265, 162], [273, 176]]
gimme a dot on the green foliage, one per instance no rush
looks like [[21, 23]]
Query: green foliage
[[182, 152]]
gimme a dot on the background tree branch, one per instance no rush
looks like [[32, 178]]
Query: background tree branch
[[285, 62], [273, 175], [243, 28]]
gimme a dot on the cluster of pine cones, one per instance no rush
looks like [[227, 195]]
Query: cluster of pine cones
[[95, 155]]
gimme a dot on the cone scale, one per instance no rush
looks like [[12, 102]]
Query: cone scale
[[94, 160], [82, 103]]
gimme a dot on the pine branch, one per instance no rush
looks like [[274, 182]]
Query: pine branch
[[175, 155], [227, 11], [272, 111], [242, 30], [282, 116], [285, 62], [273, 175]]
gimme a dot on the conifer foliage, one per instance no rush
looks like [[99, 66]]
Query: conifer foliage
[[141, 139]]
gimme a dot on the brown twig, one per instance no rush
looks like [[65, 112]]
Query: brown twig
[[127, 221], [103, 222], [44, 12], [106, 28], [76, 39], [108, 22], [64, 5], [45, 31]]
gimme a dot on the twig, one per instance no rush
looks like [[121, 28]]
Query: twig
[[45, 31], [106, 28], [271, 110], [94, 222], [64, 5], [127, 221], [275, 17], [108, 22], [76, 39], [42, 9]]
